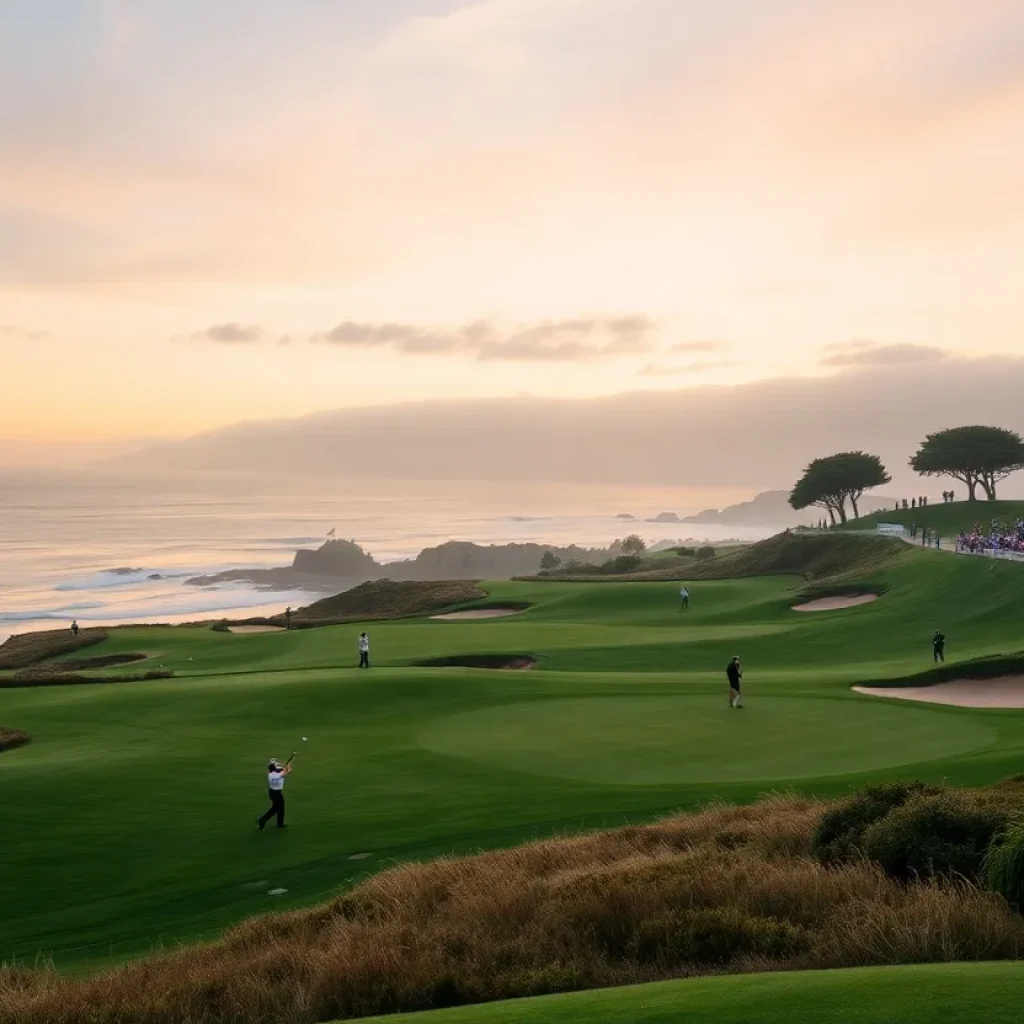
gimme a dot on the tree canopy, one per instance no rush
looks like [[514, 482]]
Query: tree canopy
[[974, 455], [633, 545], [830, 482]]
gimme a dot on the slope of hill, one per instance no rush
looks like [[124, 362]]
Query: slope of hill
[[947, 520], [982, 993], [771, 508]]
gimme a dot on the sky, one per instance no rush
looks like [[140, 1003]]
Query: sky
[[214, 213]]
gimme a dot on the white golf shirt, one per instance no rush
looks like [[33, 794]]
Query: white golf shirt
[[364, 645], [275, 780]]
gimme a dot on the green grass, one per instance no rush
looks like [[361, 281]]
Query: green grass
[[130, 816], [947, 993], [948, 520]]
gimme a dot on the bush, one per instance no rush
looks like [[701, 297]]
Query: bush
[[686, 552], [839, 836], [622, 564], [11, 738], [221, 627], [703, 554], [1003, 869], [944, 835]]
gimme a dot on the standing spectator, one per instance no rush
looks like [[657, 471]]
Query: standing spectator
[[684, 598], [734, 672], [74, 628], [939, 647], [364, 651]]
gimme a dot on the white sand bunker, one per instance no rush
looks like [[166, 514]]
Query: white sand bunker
[[831, 604], [1003, 692], [253, 630], [478, 613]]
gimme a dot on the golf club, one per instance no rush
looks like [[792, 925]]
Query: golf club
[[305, 739]]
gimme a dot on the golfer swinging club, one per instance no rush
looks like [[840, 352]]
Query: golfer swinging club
[[276, 774]]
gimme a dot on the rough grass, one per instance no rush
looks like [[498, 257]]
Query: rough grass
[[726, 889], [31, 648], [378, 600], [812, 556], [56, 675], [11, 738]]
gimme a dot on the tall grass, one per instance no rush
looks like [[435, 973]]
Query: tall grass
[[725, 889], [11, 738], [1003, 869]]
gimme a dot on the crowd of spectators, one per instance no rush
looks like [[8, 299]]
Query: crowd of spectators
[[999, 537]]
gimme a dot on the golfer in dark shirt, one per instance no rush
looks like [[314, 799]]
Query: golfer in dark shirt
[[735, 673], [939, 647]]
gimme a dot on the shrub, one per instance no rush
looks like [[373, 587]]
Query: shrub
[[221, 627], [839, 836], [704, 553], [1003, 869], [945, 834], [686, 552], [621, 565]]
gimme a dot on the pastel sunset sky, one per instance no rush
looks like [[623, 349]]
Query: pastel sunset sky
[[244, 209]]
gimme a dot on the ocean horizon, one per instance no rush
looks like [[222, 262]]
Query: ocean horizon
[[110, 550]]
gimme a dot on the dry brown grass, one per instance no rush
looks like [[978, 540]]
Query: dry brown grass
[[725, 889], [11, 738], [30, 648]]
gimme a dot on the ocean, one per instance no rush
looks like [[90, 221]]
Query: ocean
[[106, 550]]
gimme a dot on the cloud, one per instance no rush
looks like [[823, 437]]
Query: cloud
[[231, 334], [697, 346], [705, 366], [11, 332], [865, 353], [572, 340], [758, 435]]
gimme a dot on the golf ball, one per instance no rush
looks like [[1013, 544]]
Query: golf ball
[[305, 739]]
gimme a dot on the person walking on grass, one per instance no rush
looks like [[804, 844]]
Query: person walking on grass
[[939, 647], [276, 774], [364, 651], [684, 598], [74, 628], [735, 675]]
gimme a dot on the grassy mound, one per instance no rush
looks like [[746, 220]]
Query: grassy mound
[[812, 556], [103, 661], [519, 662], [11, 738], [957, 993], [377, 600], [725, 889], [31, 648], [946, 520], [57, 675]]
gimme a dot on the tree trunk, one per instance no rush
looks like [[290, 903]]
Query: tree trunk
[[988, 482], [841, 509], [972, 487], [856, 510], [831, 516]]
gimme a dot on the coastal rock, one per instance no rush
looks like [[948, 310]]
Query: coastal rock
[[665, 517]]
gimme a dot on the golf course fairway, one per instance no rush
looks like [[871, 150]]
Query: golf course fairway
[[951, 993], [130, 817]]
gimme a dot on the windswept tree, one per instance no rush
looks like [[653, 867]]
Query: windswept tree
[[830, 482], [634, 545], [550, 561], [973, 455]]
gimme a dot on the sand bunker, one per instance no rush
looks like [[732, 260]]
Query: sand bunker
[[831, 604], [252, 630], [478, 613], [1002, 692]]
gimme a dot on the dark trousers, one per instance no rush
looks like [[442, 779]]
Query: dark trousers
[[364, 659], [940, 654], [276, 807]]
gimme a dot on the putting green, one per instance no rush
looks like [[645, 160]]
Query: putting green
[[634, 741]]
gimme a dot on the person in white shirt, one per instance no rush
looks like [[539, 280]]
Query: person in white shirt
[[276, 774], [364, 651], [684, 598]]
